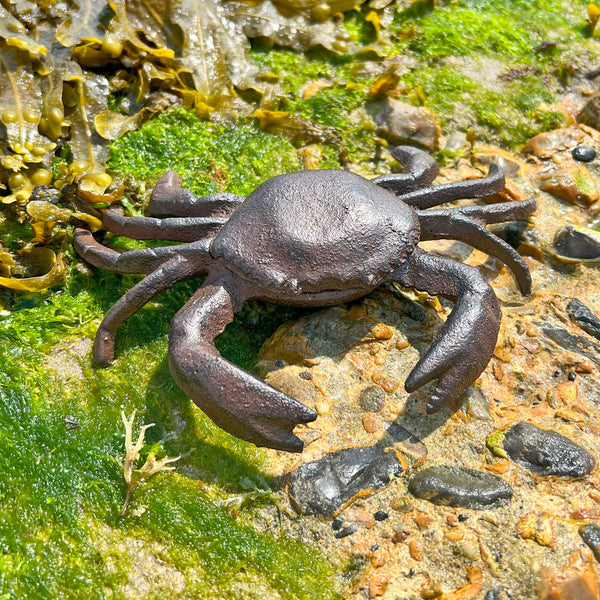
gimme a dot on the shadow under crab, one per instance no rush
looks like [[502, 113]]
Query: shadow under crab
[[309, 238]]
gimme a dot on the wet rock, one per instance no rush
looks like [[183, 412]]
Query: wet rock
[[455, 486], [325, 486], [372, 398], [545, 145], [402, 123], [590, 113], [580, 244], [590, 534], [584, 317], [571, 182], [380, 515], [541, 451], [583, 153], [578, 582], [477, 405], [491, 595], [573, 343]]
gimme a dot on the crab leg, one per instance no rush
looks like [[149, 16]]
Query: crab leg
[[174, 229], [447, 192], [420, 170], [164, 278], [236, 401], [142, 261], [169, 199], [465, 343], [467, 224]]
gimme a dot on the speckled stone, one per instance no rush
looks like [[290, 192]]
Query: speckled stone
[[590, 534], [372, 398], [455, 486], [546, 452]]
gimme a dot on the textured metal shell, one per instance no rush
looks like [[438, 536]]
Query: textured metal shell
[[316, 230]]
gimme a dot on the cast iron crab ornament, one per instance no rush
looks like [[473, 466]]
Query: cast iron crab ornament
[[309, 238]]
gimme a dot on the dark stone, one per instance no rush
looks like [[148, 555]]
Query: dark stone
[[462, 517], [380, 515], [372, 398], [572, 376], [306, 375], [455, 486], [576, 243], [584, 317], [583, 153], [348, 530], [575, 343], [545, 452], [491, 595], [336, 524], [591, 536], [323, 487]]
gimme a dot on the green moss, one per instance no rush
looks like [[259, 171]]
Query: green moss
[[208, 157]]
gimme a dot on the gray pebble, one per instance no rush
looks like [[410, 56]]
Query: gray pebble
[[372, 398], [591, 536]]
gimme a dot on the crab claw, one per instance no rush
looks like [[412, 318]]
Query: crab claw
[[465, 344], [239, 403]]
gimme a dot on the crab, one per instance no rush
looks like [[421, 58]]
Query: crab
[[311, 239]]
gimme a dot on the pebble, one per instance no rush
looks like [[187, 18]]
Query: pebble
[[583, 153], [336, 524], [584, 317], [372, 398], [323, 487], [590, 113], [541, 451], [547, 144], [402, 123], [348, 530], [591, 536], [571, 182], [574, 242], [456, 486], [491, 595], [380, 515]]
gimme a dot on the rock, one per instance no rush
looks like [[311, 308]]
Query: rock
[[571, 182], [325, 486], [578, 582], [584, 317], [372, 398], [477, 406], [577, 244], [491, 595], [583, 153], [402, 123], [590, 113], [348, 530], [574, 343], [591, 536], [455, 486], [545, 145], [380, 515], [541, 451]]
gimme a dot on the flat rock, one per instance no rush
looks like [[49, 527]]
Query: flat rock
[[402, 123], [456, 486], [541, 451], [584, 317], [323, 487]]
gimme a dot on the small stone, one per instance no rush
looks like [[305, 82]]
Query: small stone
[[348, 530], [325, 486], [381, 515], [547, 144], [590, 113], [491, 595], [307, 375], [402, 123], [576, 582], [415, 549], [423, 519], [580, 243], [370, 423], [400, 536], [372, 398], [378, 585], [583, 153], [541, 451], [336, 524], [477, 405], [591, 536], [571, 182], [456, 486], [462, 517], [584, 317]]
